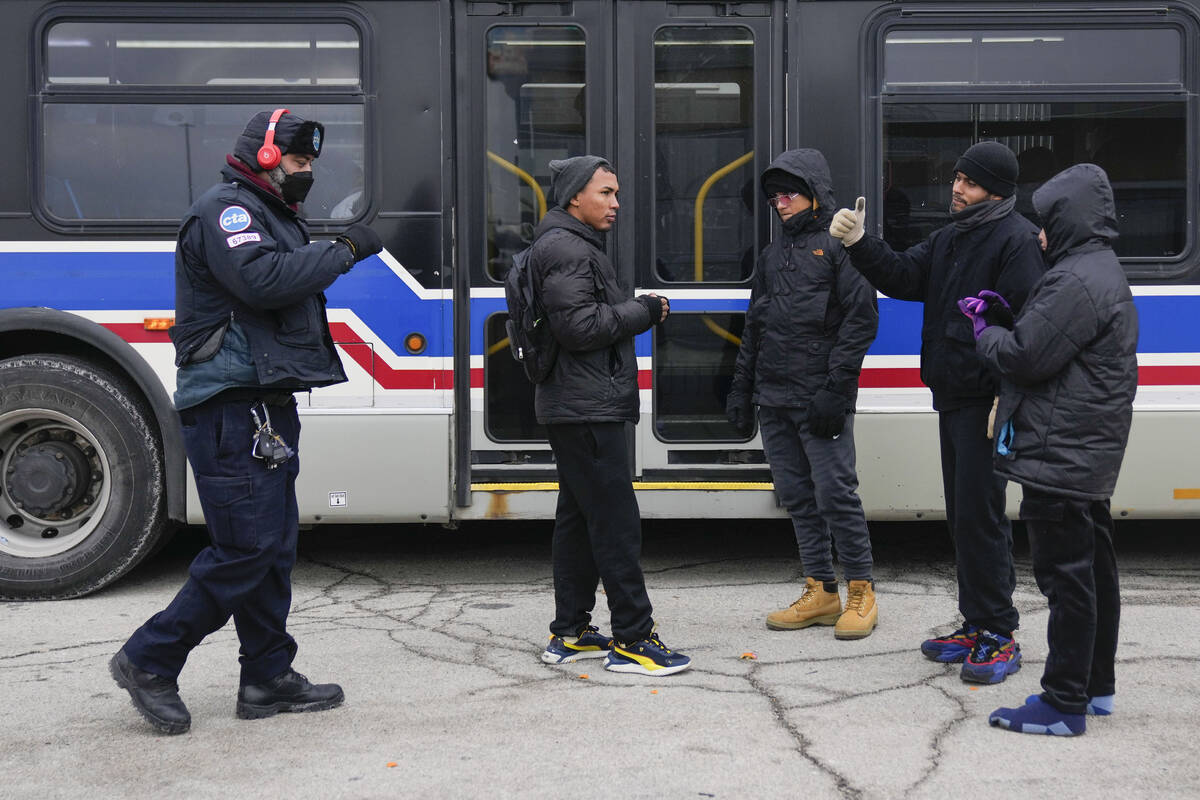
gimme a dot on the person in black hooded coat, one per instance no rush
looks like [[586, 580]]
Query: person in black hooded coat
[[810, 322], [1069, 369]]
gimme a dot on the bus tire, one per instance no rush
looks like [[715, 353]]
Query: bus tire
[[81, 478]]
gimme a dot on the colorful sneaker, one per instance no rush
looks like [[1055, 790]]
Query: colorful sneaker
[[952, 649], [993, 659], [647, 656], [588, 644], [1038, 716]]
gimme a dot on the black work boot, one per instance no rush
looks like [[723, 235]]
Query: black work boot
[[156, 698], [289, 691]]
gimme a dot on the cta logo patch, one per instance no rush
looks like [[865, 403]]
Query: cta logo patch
[[242, 238], [317, 141], [234, 219]]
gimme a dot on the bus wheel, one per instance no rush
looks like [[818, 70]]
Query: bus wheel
[[81, 478]]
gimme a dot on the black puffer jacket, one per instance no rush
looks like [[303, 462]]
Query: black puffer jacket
[[1070, 363], [594, 319], [811, 317], [1002, 255]]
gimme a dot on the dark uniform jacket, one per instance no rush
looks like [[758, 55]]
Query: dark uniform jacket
[[811, 317], [594, 319], [244, 256], [1002, 255], [1070, 363]]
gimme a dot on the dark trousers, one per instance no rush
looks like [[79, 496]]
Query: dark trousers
[[245, 573], [597, 532], [817, 484], [1071, 542], [975, 513]]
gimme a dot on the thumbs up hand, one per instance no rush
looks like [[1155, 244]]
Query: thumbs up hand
[[847, 225]]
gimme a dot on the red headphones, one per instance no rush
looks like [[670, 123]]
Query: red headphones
[[268, 154]]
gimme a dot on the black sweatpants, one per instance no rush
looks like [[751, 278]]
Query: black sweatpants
[[975, 513], [1071, 542], [597, 532]]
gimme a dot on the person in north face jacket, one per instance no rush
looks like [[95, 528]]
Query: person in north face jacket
[[810, 321], [587, 403], [986, 246], [1069, 370]]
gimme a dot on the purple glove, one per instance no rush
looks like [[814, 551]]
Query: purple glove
[[997, 311], [974, 307]]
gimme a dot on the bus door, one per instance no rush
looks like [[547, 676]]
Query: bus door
[[705, 81], [531, 88]]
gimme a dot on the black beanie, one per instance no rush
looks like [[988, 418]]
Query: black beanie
[[992, 165], [568, 176], [777, 181], [293, 134]]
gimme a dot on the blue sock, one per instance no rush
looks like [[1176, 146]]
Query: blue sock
[[1037, 716], [1100, 706]]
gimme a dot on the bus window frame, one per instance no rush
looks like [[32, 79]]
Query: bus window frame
[[44, 93], [888, 20]]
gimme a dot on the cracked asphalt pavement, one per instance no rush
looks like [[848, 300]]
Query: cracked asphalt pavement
[[435, 636]]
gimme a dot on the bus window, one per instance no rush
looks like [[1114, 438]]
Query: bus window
[[703, 154], [535, 112], [195, 53], [1140, 145], [944, 89], [102, 133], [704, 221], [96, 158]]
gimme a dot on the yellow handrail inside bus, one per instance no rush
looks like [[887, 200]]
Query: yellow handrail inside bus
[[541, 200], [525, 176], [698, 236]]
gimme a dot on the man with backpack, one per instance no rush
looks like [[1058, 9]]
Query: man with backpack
[[587, 402]]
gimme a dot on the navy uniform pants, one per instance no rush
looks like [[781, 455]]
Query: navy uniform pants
[[975, 513], [597, 532], [253, 523], [1071, 544], [816, 482]]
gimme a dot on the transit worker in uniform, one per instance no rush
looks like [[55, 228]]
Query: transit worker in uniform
[[250, 331], [587, 404], [1069, 369], [810, 322], [986, 246]]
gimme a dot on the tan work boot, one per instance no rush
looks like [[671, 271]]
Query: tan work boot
[[815, 607], [861, 612]]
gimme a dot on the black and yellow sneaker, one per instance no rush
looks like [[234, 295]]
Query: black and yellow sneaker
[[566, 649], [647, 656]]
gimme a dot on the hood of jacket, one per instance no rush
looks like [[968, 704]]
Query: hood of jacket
[[810, 166], [558, 218], [1076, 206]]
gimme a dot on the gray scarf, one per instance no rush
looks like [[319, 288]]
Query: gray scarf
[[977, 214]]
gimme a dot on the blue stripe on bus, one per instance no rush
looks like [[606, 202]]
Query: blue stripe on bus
[[132, 281]]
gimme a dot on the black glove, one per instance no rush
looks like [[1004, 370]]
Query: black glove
[[998, 311], [361, 240], [826, 414], [654, 307], [739, 409]]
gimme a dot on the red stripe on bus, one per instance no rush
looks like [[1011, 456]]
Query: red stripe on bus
[[136, 333], [365, 356], [388, 378]]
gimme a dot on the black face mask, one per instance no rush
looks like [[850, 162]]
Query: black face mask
[[295, 187]]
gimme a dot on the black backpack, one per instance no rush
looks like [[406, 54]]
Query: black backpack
[[529, 337]]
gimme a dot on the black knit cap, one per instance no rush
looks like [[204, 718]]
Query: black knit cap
[[780, 181], [568, 176], [293, 134], [992, 165]]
